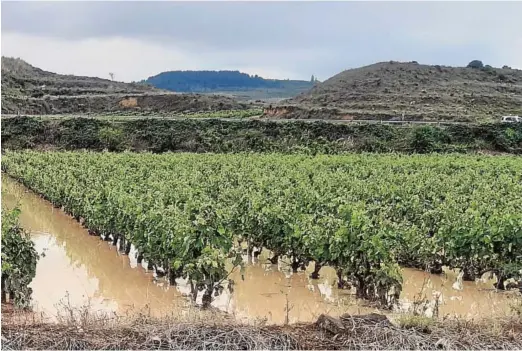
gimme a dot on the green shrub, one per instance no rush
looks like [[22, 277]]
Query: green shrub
[[374, 144], [508, 139], [489, 69], [427, 139], [111, 138], [19, 259], [213, 135], [79, 133], [475, 64]]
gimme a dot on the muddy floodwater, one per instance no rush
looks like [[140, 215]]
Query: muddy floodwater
[[77, 270]]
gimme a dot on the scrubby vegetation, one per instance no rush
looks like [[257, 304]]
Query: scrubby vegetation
[[412, 91], [19, 259], [250, 135], [353, 333]]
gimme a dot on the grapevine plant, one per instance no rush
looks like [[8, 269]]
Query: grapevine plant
[[19, 259], [363, 215]]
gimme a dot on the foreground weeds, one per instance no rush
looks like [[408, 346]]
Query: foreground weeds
[[202, 330], [79, 330]]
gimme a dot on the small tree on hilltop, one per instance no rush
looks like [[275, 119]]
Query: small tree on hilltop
[[475, 64]]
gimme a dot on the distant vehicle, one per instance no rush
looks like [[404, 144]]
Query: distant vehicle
[[511, 119]]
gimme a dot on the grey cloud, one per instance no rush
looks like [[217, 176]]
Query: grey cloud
[[257, 24], [333, 35], [210, 24]]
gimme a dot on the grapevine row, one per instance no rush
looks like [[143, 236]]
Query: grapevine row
[[361, 214]]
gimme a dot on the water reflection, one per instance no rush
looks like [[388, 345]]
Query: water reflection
[[80, 267], [90, 271]]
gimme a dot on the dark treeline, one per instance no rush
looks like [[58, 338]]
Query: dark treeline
[[208, 81]]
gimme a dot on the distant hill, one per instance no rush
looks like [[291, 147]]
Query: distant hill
[[22, 79], [232, 82], [30, 90], [396, 90]]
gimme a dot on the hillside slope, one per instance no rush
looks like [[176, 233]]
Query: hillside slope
[[19, 78], [30, 90], [235, 83], [412, 91]]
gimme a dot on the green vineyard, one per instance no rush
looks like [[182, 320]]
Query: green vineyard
[[364, 215]]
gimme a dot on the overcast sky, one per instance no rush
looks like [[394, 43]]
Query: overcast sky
[[272, 39]]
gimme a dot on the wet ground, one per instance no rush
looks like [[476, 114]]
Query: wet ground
[[77, 269]]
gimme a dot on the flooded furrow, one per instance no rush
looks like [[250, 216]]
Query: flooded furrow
[[77, 269]]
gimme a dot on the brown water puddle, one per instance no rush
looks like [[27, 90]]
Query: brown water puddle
[[80, 270]]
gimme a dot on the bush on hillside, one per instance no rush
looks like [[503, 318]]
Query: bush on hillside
[[489, 69], [475, 64], [112, 138], [427, 139]]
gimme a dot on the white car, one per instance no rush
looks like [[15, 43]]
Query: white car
[[511, 119]]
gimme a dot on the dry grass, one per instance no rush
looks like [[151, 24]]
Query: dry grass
[[420, 323], [448, 334], [516, 307], [81, 329], [145, 335], [78, 329]]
